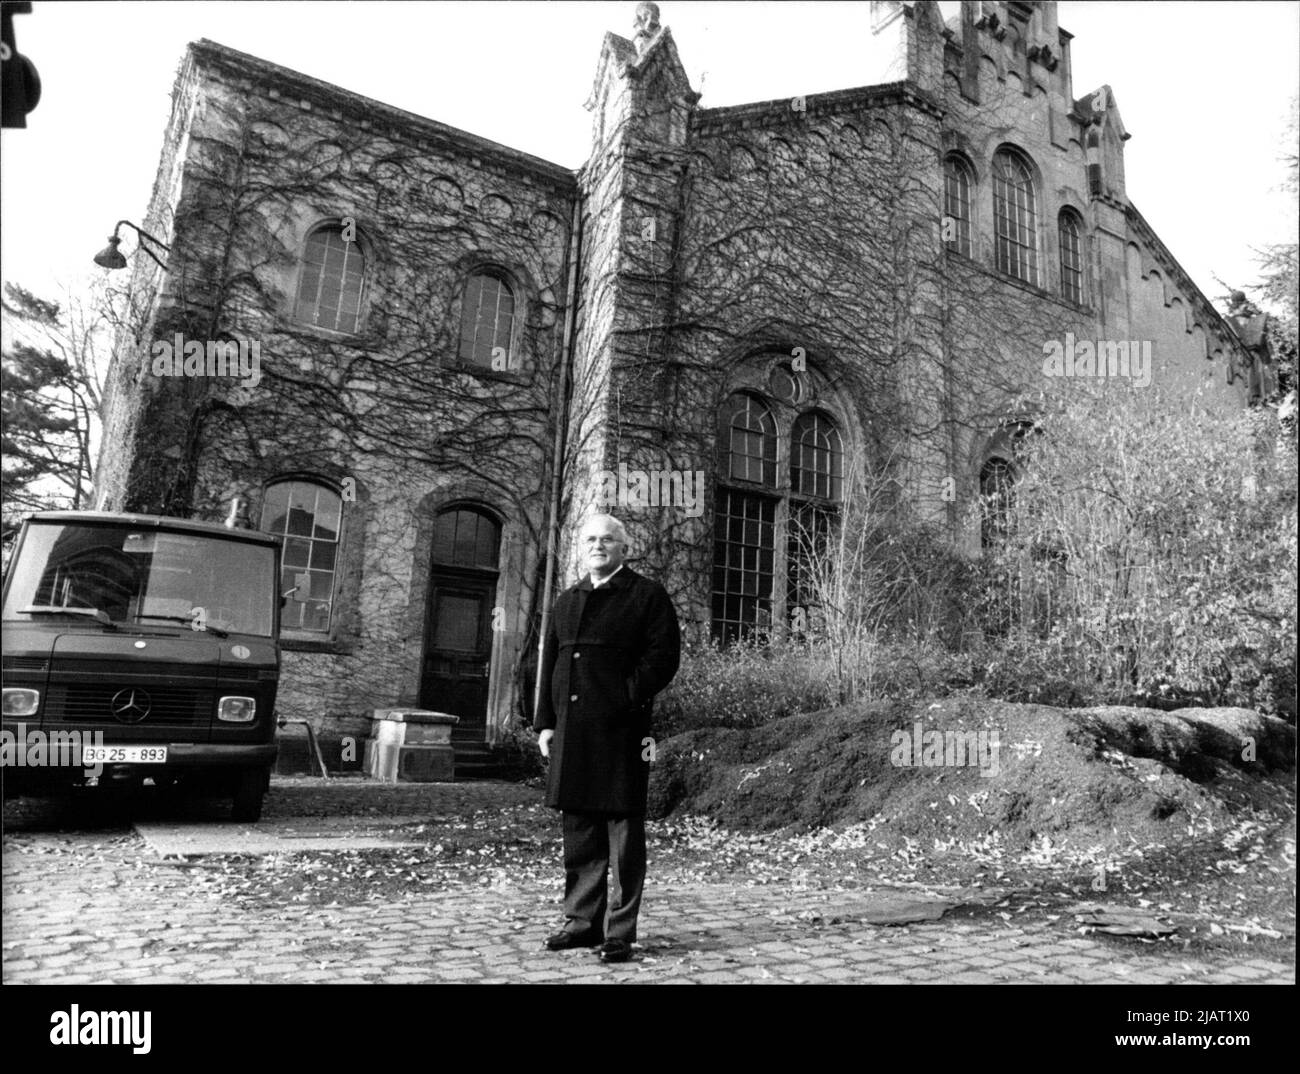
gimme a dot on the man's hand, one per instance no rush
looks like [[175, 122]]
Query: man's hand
[[544, 742]]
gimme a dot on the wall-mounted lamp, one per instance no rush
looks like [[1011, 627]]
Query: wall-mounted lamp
[[110, 257]]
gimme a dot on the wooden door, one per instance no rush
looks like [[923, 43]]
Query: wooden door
[[458, 649]]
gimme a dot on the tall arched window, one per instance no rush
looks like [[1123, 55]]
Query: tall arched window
[[997, 498], [1015, 220], [331, 281], [487, 321], [744, 556], [816, 486], [770, 519], [307, 516], [1071, 243], [958, 183]]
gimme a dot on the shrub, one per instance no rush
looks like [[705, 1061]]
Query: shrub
[[752, 682], [1151, 552], [743, 685]]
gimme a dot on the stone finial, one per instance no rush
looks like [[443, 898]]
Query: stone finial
[[647, 23]]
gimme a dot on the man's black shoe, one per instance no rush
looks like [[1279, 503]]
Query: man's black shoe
[[615, 951], [566, 940]]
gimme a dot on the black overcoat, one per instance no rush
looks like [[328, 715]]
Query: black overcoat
[[608, 651]]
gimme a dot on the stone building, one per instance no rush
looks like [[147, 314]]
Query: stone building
[[710, 327]]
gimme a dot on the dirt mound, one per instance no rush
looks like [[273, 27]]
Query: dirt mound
[[967, 768]]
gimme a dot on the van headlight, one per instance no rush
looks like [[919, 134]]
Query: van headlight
[[237, 709], [20, 701]]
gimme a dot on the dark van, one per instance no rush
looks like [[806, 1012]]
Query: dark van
[[151, 644]]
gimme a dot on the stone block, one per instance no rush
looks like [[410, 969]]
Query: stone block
[[412, 727], [390, 763], [411, 745]]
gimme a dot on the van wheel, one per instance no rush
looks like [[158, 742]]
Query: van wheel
[[248, 795]]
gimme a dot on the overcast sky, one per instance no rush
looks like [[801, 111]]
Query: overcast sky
[[1204, 90]]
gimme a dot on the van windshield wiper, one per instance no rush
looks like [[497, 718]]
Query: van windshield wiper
[[187, 619], [54, 609]]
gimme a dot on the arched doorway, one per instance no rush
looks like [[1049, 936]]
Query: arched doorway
[[459, 618]]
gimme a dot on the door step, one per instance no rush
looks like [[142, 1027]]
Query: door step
[[476, 760]]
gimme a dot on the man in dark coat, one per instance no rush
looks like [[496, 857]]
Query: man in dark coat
[[613, 643]]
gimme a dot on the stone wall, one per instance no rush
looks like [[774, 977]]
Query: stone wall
[[717, 246], [388, 412]]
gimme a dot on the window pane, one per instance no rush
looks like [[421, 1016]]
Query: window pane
[[1071, 259], [297, 553], [957, 199], [816, 456], [331, 281], [466, 538], [309, 516], [322, 555], [745, 603], [486, 318], [749, 440], [1014, 217]]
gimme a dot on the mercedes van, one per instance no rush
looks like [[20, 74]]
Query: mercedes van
[[148, 644]]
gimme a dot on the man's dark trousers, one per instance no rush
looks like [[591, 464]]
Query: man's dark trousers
[[594, 843]]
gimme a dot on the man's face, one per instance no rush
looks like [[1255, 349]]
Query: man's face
[[603, 548]]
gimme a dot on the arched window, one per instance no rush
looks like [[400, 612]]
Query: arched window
[[331, 281], [816, 485], [770, 519], [750, 440], [465, 537], [1071, 257], [1015, 217], [997, 498], [958, 183], [816, 457], [744, 558], [307, 516], [487, 321]]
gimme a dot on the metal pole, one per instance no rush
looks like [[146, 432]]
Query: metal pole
[[561, 423]]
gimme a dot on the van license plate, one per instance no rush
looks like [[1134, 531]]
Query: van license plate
[[124, 754]]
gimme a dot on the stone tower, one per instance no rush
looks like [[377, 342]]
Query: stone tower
[[641, 103]]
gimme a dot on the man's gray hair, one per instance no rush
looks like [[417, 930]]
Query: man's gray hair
[[620, 531]]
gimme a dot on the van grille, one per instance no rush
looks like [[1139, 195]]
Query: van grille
[[24, 663], [92, 703]]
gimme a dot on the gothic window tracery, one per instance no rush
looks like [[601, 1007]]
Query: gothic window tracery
[[781, 466]]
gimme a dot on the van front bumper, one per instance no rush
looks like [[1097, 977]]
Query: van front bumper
[[25, 768]]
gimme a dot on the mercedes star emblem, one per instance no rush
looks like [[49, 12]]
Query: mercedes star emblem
[[130, 705]]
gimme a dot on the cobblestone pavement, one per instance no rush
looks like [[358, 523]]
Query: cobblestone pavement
[[95, 905]]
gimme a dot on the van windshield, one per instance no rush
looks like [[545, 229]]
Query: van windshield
[[118, 574]]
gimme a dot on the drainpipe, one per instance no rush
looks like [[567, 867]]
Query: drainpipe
[[561, 427]]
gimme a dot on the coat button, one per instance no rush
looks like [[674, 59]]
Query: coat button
[[573, 697]]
